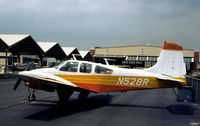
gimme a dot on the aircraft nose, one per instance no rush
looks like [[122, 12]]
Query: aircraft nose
[[22, 73]]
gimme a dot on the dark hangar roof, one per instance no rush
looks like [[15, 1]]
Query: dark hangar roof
[[52, 49], [3, 46], [21, 44]]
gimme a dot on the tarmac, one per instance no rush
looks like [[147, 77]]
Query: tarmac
[[155, 107]]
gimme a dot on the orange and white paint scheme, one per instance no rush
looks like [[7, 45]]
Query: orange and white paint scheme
[[83, 76]]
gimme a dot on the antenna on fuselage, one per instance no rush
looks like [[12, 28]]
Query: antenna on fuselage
[[109, 60], [74, 56]]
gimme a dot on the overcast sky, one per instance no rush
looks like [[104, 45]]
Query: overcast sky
[[89, 23]]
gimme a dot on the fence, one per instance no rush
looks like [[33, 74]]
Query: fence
[[195, 85]]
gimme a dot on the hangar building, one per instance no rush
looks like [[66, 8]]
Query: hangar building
[[140, 56], [86, 55]]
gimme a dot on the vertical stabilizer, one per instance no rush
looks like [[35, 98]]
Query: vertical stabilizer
[[170, 62]]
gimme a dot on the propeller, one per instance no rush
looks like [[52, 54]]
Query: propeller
[[17, 84]]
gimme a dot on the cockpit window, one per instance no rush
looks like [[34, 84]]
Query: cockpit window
[[86, 68], [103, 70], [70, 67], [59, 65]]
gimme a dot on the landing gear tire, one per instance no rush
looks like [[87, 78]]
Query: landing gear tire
[[31, 97]]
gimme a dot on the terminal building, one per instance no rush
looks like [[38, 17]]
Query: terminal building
[[140, 56]]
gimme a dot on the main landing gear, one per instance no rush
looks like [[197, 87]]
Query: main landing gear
[[65, 92], [83, 96]]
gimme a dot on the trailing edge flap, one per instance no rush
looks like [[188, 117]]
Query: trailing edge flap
[[46, 77], [169, 79]]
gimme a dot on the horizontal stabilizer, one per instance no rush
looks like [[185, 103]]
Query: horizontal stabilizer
[[170, 79]]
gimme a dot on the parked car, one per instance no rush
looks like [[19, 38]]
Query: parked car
[[22, 67]]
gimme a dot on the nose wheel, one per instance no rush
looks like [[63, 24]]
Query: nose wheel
[[31, 96]]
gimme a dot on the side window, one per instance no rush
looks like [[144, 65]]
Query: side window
[[70, 67], [85, 68], [103, 70]]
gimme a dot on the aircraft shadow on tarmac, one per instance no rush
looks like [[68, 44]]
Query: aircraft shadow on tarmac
[[177, 109], [56, 111], [180, 109], [94, 102]]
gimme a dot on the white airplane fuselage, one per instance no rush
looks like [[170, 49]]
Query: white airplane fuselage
[[85, 77]]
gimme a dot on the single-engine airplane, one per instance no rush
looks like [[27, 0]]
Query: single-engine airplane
[[86, 77]]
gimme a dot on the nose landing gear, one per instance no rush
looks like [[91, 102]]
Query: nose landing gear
[[31, 96]]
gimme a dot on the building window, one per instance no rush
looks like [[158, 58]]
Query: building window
[[103, 70], [131, 58], [85, 68], [187, 59], [152, 58], [142, 58], [136, 58]]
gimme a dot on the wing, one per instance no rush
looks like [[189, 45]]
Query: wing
[[46, 77], [43, 81]]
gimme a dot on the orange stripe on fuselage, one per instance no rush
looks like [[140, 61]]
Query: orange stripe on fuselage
[[105, 88], [106, 83]]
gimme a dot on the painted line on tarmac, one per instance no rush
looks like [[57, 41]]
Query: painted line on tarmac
[[11, 106]]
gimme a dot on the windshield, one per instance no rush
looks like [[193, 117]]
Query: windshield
[[59, 65], [70, 67]]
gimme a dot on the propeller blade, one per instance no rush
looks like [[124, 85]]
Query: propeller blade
[[17, 84]]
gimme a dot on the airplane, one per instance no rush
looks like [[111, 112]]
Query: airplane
[[85, 77]]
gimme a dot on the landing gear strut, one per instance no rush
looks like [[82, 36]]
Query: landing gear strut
[[31, 96]]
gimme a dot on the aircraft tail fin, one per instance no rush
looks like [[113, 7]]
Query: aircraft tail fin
[[170, 62]]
